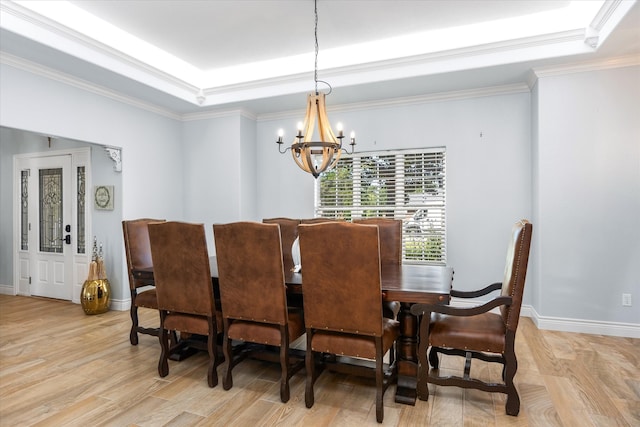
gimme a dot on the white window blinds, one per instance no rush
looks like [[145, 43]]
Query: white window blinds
[[406, 185]]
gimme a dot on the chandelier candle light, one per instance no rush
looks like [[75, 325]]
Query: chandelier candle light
[[311, 156]]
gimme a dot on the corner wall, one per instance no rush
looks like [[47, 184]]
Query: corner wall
[[587, 198]]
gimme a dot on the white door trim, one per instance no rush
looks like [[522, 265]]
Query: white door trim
[[79, 157]]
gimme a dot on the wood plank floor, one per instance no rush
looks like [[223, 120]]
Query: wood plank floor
[[60, 367]]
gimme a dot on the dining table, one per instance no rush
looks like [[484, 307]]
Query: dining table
[[405, 283]]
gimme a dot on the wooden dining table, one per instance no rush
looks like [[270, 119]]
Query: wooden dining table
[[406, 283]]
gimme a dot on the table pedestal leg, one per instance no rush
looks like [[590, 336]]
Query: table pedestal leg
[[407, 360]]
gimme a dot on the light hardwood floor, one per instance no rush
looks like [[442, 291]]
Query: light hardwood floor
[[60, 367]]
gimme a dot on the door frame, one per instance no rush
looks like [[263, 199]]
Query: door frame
[[80, 268]]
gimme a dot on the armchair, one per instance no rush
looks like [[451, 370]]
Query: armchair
[[478, 333]]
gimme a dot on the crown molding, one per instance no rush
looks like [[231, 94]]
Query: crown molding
[[48, 73], [29, 24], [207, 115], [604, 14], [411, 100], [581, 67]]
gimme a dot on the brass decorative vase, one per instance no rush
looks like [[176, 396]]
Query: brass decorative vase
[[95, 296], [96, 290]]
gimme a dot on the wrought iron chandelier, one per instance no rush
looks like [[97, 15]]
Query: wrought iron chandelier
[[311, 156]]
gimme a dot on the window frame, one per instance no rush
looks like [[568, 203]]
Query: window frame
[[389, 178]]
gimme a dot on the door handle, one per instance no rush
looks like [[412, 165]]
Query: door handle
[[67, 238]]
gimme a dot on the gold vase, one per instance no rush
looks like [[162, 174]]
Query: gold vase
[[95, 296]]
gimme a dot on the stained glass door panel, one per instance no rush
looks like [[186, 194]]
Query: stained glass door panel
[[51, 228]]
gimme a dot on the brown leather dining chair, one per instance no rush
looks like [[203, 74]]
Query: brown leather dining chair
[[342, 293], [288, 234], [319, 220], [138, 254], [185, 290], [253, 296], [478, 333], [390, 232]]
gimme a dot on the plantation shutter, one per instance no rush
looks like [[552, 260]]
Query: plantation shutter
[[406, 185]]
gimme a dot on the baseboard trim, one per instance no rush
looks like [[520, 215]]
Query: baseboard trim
[[114, 304], [119, 304], [582, 326], [6, 290]]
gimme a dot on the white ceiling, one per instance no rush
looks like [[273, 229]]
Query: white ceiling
[[192, 56], [214, 34]]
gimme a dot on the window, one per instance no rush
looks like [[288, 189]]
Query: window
[[81, 184], [406, 185]]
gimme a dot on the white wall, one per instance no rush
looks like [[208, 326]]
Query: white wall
[[588, 195], [152, 175], [248, 174], [211, 159]]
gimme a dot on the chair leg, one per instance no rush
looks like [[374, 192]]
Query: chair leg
[[227, 382], [212, 374], [310, 367], [512, 406], [433, 357], [163, 364], [379, 381], [392, 354], [133, 335], [284, 364]]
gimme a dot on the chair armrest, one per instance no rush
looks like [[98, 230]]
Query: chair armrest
[[474, 294], [421, 309]]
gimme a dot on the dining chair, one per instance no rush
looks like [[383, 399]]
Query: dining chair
[[138, 254], [253, 296], [478, 332], [342, 293], [319, 220], [316, 220], [288, 234], [390, 232], [185, 290]]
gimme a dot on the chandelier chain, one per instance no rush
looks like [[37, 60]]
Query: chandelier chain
[[315, 75]]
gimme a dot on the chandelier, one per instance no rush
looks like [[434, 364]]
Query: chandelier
[[312, 156]]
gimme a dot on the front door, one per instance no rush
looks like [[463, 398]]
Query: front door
[[49, 239]]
